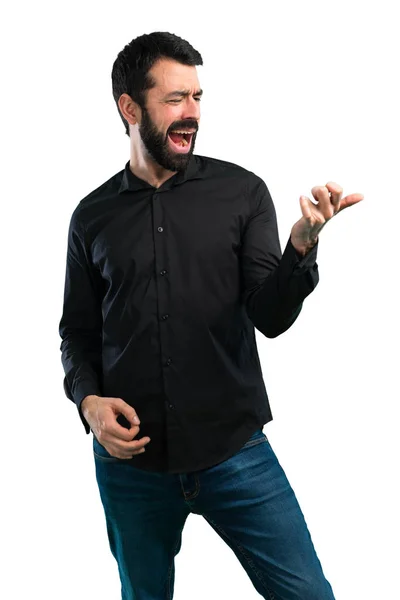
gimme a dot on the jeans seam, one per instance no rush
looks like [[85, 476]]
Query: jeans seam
[[169, 591], [106, 458], [188, 497], [248, 559], [254, 442]]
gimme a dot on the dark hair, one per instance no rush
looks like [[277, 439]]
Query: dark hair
[[130, 72]]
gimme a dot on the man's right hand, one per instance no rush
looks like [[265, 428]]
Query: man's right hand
[[101, 414]]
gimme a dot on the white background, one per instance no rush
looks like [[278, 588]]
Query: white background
[[301, 93]]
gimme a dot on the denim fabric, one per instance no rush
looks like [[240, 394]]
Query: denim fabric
[[248, 501]]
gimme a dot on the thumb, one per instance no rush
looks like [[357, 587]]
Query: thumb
[[127, 410]]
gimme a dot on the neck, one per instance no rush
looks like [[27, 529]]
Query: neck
[[144, 167]]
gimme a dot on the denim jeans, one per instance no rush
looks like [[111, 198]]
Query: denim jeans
[[247, 500]]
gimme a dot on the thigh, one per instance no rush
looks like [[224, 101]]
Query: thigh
[[249, 502], [145, 515]]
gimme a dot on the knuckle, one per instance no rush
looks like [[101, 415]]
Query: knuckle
[[336, 186], [116, 454], [137, 447]]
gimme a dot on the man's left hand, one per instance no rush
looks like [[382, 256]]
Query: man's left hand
[[304, 233]]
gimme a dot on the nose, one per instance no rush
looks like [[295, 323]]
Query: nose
[[191, 113]]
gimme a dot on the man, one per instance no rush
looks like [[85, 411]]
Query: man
[[171, 264]]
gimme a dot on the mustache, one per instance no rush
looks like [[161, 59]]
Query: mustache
[[184, 126]]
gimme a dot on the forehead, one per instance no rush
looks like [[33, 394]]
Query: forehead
[[171, 75]]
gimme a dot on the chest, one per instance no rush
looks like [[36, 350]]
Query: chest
[[130, 238]]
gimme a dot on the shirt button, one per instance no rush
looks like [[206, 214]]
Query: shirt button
[[165, 317], [163, 272], [169, 361], [160, 229], [171, 406]]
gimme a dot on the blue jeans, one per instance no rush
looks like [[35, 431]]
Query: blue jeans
[[248, 501]]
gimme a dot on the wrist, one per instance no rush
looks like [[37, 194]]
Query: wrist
[[87, 402], [304, 248]]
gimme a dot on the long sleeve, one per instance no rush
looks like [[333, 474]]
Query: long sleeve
[[274, 284], [81, 323]]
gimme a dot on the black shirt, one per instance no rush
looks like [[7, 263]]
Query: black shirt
[[163, 289]]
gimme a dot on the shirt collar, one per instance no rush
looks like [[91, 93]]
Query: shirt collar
[[130, 182]]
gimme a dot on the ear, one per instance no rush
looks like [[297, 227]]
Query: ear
[[129, 109]]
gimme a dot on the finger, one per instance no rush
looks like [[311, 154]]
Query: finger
[[321, 194], [315, 226], [350, 200], [112, 429], [136, 444], [336, 193], [132, 454], [127, 410], [305, 207], [127, 450], [124, 455]]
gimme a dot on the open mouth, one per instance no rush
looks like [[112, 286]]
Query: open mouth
[[181, 142]]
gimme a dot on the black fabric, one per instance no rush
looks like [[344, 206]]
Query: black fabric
[[163, 289]]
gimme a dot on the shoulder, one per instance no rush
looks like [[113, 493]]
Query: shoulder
[[217, 167], [218, 164], [89, 204]]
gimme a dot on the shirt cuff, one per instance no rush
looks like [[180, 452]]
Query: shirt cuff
[[299, 262], [85, 388]]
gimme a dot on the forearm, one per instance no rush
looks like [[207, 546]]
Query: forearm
[[274, 305], [82, 367], [81, 323]]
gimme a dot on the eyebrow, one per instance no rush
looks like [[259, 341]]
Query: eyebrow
[[183, 93]]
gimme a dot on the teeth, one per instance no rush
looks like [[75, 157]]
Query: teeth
[[183, 141], [176, 131]]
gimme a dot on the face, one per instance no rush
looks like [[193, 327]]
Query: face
[[167, 111]]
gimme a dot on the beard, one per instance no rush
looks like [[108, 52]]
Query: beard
[[157, 144]]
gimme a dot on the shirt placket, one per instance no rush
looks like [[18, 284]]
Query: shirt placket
[[163, 296]]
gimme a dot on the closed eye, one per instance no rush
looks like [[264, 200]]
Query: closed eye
[[176, 101]]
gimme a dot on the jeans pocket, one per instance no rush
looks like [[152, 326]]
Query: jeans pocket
[[101, 453], [257, 437]]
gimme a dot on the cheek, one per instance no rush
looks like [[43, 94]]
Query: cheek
[[170, 116], [166, 120], [173, 114]]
